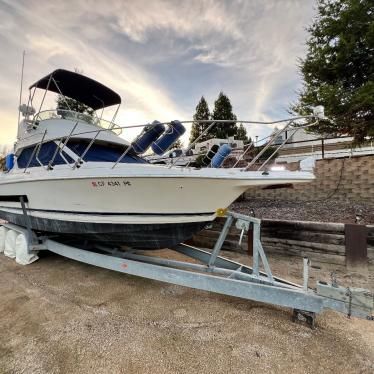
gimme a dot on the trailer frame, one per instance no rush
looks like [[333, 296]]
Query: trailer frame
[[212, 272]]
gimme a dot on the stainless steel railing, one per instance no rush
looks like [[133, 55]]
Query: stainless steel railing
[[76, 116], [266, 142]]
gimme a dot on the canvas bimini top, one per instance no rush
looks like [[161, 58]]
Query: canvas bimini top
[[79, 87]]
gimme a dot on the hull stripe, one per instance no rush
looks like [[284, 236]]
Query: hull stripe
[[13, 198], [110, 213]]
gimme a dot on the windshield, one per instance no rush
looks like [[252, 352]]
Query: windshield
[[31, 157], [77, 116]]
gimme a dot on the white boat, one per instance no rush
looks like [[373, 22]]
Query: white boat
[[80, 179]]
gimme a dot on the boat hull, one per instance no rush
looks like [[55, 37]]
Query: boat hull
[[141, 236], [146, 207]]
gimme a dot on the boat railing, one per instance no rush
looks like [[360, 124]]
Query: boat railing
[[76, 116], [268, 142], [252, 154]]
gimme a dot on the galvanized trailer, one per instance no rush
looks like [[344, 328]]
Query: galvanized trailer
[[215, 273]]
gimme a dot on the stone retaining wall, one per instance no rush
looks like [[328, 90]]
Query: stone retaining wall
[[341, 179]]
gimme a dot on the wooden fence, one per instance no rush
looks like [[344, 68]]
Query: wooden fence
[[321, 242]]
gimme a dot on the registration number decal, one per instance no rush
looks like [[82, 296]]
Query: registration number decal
[[110, 183]]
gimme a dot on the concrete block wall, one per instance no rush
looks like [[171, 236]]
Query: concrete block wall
[[340, 179]]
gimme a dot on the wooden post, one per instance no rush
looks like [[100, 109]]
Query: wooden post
[[250, 240], [356, 244]]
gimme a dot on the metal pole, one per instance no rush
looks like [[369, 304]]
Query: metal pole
[[220, 240], [45, 93], [58, 88], [112, 124], [39, 148], [306, 263], [276, 150], [193, 143], [244, 153], [20, 92], [127, 150], [27, 221], [80, 158], [276, 134], [36, 148], [255, 258]]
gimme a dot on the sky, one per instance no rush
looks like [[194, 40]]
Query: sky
[[160, 56]]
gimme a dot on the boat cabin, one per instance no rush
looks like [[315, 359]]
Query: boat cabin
[[66, 136]]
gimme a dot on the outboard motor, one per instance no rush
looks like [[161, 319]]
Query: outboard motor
[[162, 144], [147, 137], [9, 161], [219, 157], [207, 159]]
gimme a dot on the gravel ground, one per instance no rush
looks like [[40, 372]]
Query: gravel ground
[[61, 316], [321, 211]]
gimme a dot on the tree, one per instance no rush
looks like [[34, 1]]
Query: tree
[[177, 145], [202, 114], [338, 70], [66, 103], [268, 152], [223, 110], [241, 134]]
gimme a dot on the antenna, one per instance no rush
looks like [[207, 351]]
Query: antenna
[[20, 93]]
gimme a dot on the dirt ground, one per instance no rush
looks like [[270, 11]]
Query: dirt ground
[[61, 316]]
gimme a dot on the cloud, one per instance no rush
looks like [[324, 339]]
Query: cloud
[[52, 48], [160, 56], [8, 129], [189, 19]]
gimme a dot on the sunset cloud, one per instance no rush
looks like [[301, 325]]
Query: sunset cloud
[[160, 56]]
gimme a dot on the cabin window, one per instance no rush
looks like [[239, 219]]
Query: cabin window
[[104, 152], [46, 154]]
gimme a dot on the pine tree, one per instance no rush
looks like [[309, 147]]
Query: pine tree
[[202, 113], [338, 70], [177, 145], [223, 110], [66, 103], [241, 134]]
